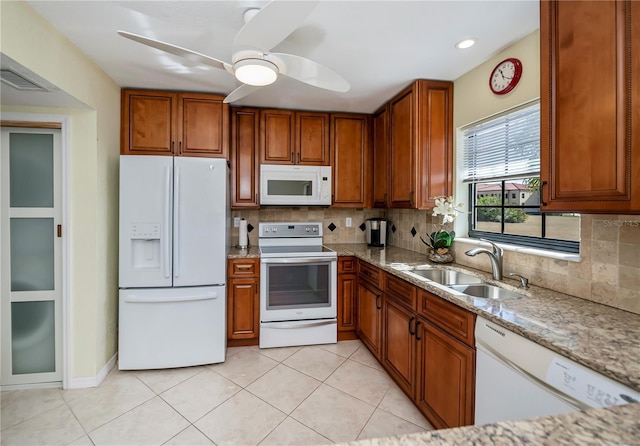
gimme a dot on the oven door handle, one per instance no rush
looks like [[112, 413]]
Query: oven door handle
[[300, 324], [299, 260]]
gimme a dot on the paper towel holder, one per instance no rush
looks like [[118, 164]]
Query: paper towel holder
[[246, 244]]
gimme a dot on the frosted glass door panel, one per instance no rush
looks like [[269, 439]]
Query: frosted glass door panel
[[31, 167], [33, 348], [32, 254]]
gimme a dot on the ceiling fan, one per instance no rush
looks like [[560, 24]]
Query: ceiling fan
[[252, 63]]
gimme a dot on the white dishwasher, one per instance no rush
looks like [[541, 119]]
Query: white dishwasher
[[519, 379]]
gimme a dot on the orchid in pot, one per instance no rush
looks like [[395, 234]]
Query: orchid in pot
[[440, 241]]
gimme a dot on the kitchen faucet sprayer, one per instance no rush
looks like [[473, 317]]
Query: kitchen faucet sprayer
[[495, 256]]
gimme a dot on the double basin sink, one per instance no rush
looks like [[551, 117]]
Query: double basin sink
[[465, 283]]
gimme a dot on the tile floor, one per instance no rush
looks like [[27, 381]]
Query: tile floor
[[287, 396]]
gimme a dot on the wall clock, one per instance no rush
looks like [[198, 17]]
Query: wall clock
[[505, 76]]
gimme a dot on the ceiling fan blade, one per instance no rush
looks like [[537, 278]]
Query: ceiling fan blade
[[312, 73], [272, 24], [189, 55], [240, 92]]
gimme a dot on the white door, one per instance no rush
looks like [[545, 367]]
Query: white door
[[31, 260], [199, 219], [146, 195]]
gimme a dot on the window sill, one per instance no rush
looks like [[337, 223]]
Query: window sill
[[524, 250]]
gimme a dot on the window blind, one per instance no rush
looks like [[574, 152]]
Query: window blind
[[504, 147]]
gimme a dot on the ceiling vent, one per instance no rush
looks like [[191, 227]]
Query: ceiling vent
[[19, 81]]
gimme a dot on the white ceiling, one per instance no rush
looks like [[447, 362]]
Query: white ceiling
[[378, 46]]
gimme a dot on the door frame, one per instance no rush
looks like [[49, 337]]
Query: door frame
[[63, 120]]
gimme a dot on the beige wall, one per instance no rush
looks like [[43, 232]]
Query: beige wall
[[609, 267], [92, 179]]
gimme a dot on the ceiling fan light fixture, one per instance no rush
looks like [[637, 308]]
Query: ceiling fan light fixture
[[466, 43], [256, 72]]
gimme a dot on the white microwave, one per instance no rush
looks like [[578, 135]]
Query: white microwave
[[292, 185]]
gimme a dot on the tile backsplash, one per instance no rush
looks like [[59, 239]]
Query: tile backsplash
[[608, 271], [340, 234]]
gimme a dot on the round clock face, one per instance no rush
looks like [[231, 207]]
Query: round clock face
[[505, 76]]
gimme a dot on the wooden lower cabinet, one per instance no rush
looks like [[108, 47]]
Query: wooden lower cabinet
[[424, 342], [445, 378], [243, 302], [399, 346], [347, 298], [370, 317]]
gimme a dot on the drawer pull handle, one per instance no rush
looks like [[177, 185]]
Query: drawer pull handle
[[417, 325], [411, 332], [244, 266], [378, 307]]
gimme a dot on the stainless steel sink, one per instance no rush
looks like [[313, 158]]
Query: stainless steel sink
[[486, 291], [447, 276]]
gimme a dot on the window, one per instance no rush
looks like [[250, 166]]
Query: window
[[501, 161]]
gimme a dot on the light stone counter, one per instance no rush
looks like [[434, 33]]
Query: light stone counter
[[619, 425], [602, 338]]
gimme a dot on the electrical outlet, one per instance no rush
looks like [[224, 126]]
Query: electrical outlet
[[236, 222], [348, 222]]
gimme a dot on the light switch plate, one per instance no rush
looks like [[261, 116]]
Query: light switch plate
[[348, 222], [236, 222]]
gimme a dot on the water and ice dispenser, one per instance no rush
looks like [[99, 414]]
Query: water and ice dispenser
[[145, 245]]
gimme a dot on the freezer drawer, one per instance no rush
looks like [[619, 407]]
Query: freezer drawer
[[173, 327]]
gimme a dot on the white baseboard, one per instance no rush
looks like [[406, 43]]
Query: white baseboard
[[93, 381]]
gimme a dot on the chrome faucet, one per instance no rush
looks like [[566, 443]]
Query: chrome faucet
[[495, 256]]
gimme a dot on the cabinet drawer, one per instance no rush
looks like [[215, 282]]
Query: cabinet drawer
[[244, 268], [347, 265], [399, 290], [370, 274], [452, 319]]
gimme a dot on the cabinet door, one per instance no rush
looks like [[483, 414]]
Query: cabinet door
[[381, 158], [446, 369], [148, 122], [203, 125], [399, 347], [589, 106], [347, 288], [435, 146], [369, 317], [245, 125], [243, 309], [350, 158], [402, 148], [312, 139], [277, 128]]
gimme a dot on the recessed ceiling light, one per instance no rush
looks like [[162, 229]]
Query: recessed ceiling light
[[466, 43]]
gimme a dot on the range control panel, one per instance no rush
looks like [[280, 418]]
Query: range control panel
[[290, 230]]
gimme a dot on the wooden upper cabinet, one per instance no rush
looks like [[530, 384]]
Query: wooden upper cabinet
[[169, 123], [402, 145], [294, 137], [381, 158], [149, 122], [420, 144], [277, 136], [312, 138], [245, 137], [204, 125], [350, 153], [590, 106]]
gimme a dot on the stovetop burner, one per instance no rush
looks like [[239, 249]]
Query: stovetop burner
[[292, 239]]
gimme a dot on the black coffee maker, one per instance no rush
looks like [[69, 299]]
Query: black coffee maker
[[376, 229]]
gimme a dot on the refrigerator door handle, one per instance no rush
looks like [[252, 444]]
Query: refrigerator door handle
[[158, 300], [167, 219], [176, 222]]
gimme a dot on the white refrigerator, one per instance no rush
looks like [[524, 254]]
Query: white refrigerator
[[174, 241]]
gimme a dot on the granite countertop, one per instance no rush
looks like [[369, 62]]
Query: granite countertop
[[602, 338], [619, 425]]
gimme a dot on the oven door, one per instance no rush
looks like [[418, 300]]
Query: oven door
[[300, 288]]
